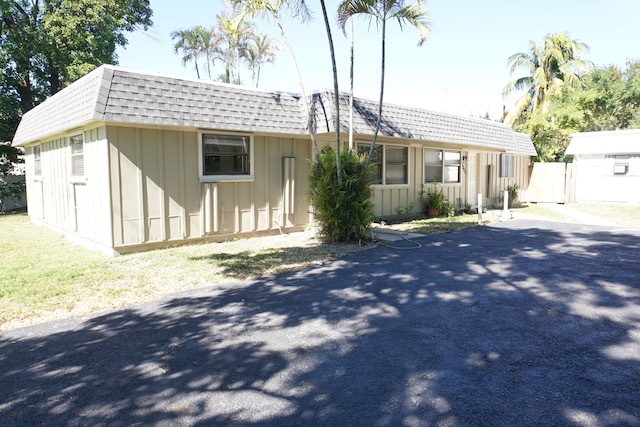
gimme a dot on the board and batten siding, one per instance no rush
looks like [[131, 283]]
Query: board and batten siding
[[72, 205], [157, 195], [480, 173], [492, 186], [390, 199]]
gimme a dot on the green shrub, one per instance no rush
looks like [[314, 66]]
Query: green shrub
[[342, 212], [447, 209]]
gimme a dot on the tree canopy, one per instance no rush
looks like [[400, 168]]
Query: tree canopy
[[232, 42], [609, 99], [47, 44]]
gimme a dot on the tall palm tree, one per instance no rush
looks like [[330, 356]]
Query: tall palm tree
[[549, 67], [261, 51], [188, 42], [207, 40], [274, 9], [381, 11], [336, 92], [232, 43]]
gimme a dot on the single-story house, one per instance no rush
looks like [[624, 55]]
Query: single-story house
[[124, 160], [606, 166]]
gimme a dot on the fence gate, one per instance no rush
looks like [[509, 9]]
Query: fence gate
[[551, 183]]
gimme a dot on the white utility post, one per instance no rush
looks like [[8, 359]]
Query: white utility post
[[479, 208], [505, 209]]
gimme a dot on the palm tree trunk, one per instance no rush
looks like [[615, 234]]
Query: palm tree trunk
[[335, 90], [375, 133], [304, 94], [351, 42]]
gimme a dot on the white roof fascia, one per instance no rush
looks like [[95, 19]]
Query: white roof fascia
[[605, 142]]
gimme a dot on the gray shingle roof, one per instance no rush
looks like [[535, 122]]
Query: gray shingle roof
[[412, 123], [118, 95]]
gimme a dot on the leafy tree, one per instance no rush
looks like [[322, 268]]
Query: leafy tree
[[10, 188], [45, 45], [549, 138], [549, 68], [381, 11], [609, 100]]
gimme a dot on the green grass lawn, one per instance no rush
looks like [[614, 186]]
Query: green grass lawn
[[625, 215], [43, 276]]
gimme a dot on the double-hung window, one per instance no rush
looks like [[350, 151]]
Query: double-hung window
[[77, 155], [37, 162], [389, 163], [441, 166], [506, 166], [225, 155]]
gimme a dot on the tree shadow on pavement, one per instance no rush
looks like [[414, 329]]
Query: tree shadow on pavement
[[522, 323]]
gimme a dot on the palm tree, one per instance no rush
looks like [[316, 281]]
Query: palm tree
[[336, 93], [232, 43], [261, 51], [380, 11], [274, 10], [549, 67], [188, 42], [207, 40]]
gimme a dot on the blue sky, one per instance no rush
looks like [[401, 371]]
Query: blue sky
[[461, 69]]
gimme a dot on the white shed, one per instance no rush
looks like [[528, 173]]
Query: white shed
[[606, 165]]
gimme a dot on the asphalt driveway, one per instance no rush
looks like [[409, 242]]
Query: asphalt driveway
[[520, 323]]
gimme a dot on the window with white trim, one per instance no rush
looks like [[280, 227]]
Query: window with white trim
[[390, 164], [441, 166], [225, 155], [506, 166], [76, 143], [37, 162]]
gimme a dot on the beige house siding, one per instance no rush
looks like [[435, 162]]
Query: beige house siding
[[142, 158], [72, 205], [157, 195], [480, 173], [492, 186]]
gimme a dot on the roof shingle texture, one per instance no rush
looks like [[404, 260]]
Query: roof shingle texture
[[117, 95]]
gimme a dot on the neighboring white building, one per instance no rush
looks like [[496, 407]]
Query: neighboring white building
[[606, 166]]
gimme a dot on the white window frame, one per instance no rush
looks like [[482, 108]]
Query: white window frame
[[76, 155], [443, 165], [228, 178], [76, 178], [506, 165], [383, 163], [37, 161]]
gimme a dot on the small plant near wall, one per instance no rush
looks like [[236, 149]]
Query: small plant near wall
[[433, 200], [404, 212], [513, 195], [512, 191]]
